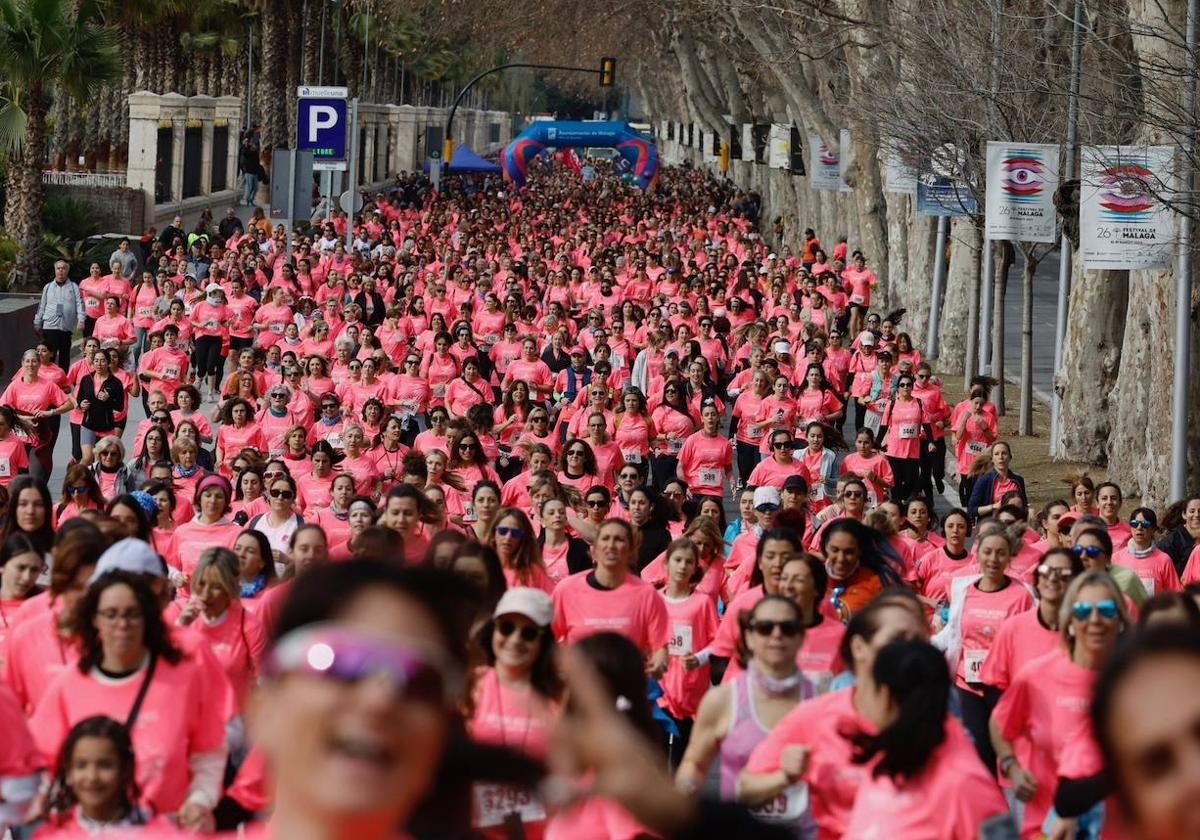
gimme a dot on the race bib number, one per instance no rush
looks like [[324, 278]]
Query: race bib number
[[145, 311], [681, 640], [674, 446], [91, 303], [856, 298], [909, 431], [632, 457], [755, 431], [210, 325], [274, 453], [712, 477], [1147, 583], [5, 468], [976, 447], [334, 439], [439, 390], [871, 421], [788, 806], [817, 492], [277, 329], [408, 407], [171, 371], [973, 664], [493, 804], [469, 512]]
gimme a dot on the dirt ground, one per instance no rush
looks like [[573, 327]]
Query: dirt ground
[[1031, 455]]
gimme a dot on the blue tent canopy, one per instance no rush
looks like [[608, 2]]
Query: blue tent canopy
[[465, 160]]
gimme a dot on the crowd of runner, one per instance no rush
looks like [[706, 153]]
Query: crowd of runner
[[359, 541]]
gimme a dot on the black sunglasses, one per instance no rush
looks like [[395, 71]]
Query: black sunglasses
[[764, 627]]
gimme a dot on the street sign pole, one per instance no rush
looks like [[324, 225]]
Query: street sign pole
[[435, 168], [352, 173]]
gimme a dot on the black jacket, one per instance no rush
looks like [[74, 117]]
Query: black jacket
[[1178, 545], [100, 416]]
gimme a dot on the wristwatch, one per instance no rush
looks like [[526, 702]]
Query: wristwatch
[[1007, 762]]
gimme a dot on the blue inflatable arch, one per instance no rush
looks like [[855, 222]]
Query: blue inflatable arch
[[641, 154]]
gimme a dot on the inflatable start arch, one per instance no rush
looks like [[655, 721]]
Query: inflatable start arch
[[641, 154]]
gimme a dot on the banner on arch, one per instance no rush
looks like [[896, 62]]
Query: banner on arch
[[1021, 181], [1124, 220]]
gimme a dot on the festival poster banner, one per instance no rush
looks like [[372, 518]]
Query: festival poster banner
[[824, 165], [1021, 181], [942, 188], [1123, 221], [779, 148], [901, 175]]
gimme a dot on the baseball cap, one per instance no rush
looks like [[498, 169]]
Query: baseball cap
[[532, 603], [213, 287], [767, 497], [577, 351], [1068, 519], [129, 555], [866, 338], [796, 482]]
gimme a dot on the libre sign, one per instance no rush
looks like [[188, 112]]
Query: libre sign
[[321, 125]]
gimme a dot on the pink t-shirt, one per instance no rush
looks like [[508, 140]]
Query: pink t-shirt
[[904, 420], [951, 799], [1153, 568], [705, 461], [238, 641], [632, 609], [833, 778], [1039, 712], [35, 655], [818, 656], [771, 473], [693, 625], [1021, 638], [984, 613], [175, 723]]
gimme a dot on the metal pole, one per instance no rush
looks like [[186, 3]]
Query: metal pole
[[985, 290], [1183, 279], [352, 172], [1064, 248], [939, 282], [321, 52], [972, 353], [291, 205]]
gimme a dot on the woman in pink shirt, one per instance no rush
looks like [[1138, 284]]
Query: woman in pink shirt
[[14, 459], [633, 431], [692, 612], [215, 612], [905, 434], [36, 400], [515, 701], [979, 607], [926, 780], [750, 430], [1150, 563], [112, 328], [239, 431], [439, 367], [210, 526], [126, 654], [520, 552], [20, 566], [1038, 715], [706, 460]]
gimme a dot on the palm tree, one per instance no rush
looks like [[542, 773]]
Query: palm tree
[[47, 47]]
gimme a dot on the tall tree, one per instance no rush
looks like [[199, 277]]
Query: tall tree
[[47, 47]]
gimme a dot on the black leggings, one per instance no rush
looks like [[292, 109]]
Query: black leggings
[[208, 356], [748, 457], [975, 713], [907, 472], [933, 470], [663, 469]]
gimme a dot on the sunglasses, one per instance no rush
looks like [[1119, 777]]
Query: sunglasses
[[852, 494], [786, 628], [331, 652], [575, 453], [1052, 572], [597, 504], [1092, 551], [1140, 523], [160, 418], [328, 406], [77, 491], [506, 531], [286, 495], [1084, 610], [528, 633], [538, 419], [629, 476], [781, 444], [465, 446]]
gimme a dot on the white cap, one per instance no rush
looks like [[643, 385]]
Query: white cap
[[771, 257], [213, 287], [782, 347], [867, 338], [532, 603], [129, 555], [766, 495]]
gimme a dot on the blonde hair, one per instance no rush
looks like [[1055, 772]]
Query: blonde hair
[[1092, 577]]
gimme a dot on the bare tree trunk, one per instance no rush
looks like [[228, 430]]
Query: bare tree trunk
[[1003, 264], [965, 241]]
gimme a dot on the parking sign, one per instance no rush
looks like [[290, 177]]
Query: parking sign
[[321, 125]]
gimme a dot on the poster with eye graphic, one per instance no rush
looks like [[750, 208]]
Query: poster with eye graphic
[[1021, 180], [1125, 221]]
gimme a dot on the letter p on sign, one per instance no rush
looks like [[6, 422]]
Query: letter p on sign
[[320, 117]]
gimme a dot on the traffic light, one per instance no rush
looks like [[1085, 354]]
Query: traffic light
[[608, 72]]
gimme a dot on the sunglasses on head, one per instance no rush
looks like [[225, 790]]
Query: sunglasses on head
[[330, 652], [1084, 610], [528, 633], [763, 627]]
